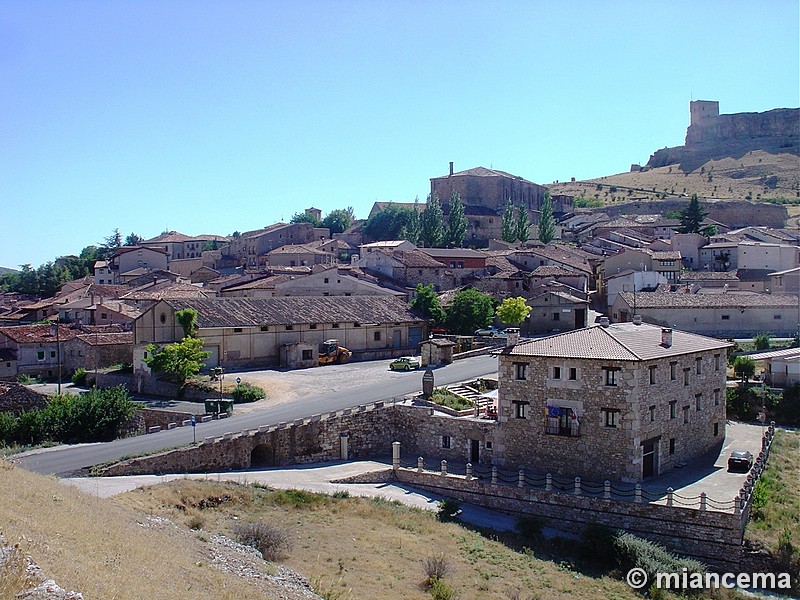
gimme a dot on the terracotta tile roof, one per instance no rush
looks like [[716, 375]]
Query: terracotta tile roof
[[166, 290], [667, 255], [262, 283], [709, 276], [552, 271], [416, 259], [621, 341], [453, 252], [259, 232], [125, 249], [484, 172], [298, 249], [292, 310], [168, 237], [37, 334], [16, 398], [732, 300]]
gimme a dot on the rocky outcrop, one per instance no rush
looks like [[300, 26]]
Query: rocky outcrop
[[715, 137]]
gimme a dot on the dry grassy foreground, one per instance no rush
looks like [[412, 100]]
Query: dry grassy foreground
[[371, 548]]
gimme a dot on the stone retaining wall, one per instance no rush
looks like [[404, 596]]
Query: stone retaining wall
[[715, 538]]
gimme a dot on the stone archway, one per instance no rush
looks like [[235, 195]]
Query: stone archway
[[262, 455]]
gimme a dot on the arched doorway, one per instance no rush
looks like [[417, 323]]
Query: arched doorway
[[262, 456]]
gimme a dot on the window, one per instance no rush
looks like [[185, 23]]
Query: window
[[776, 317], [610, 417], [488, 445], [673, 409], [698, 401], [716, 429], [103, 315], [686, 376], [673, 367], [672, 445], [452, 264], [521, 370], [335, 326], [698, 363], [237, 330], [716, 397], [726, 317], [652, 414], [653, 375], [52, 353], [163, 318], [376, 336], [521, 410], [460, 264], [326, 280], [556, 372], [445, 441], [264, 328], [289, 327], [308, 355], [312, 326], [716, 362], [40, 355], [556, 316], [573, 374], [356, 324], [610, 375], [685, 414]]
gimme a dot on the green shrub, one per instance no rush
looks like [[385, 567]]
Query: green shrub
[[441, 591], [272, 541], [24, 379], [79, 376], [244, 392], [8, 425], [597, 545], [633, 551], [530, 527], [449, 509]]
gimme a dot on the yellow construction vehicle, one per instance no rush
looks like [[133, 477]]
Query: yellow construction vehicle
[[331, 352]]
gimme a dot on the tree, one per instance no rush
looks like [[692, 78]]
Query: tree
[[304, 217], [110, 244], [133, 240], [188, 320], [412, 229], [180, 360], [457, 223], [426, 302], [547, 224], [762, 341], [513, 311], [431, 222], [692, 216], [210, 245], [391, 223], [523, 224], [744, 367], [339, 220], [471, 310], [508, 229]]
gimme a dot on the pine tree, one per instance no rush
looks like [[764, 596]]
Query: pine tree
[[509, 227], [523, 224], [432, 230], [547, 224], [413, 227], [457, 224], [692, 216]]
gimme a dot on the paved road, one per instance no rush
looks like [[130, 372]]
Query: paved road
[[380, 385]]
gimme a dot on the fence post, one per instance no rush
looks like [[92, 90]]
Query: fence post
[[607, 489], [494, 475], [577, 486], [420, 464], [703, 501], [469, 471], [521, 478], [395, 455], [670, 493], [444, 468], [638, 496], [548, 483], [737, 505]]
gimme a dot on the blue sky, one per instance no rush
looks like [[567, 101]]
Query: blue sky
[[211, 117]]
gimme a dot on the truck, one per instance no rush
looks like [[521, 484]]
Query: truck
[[331, 352]]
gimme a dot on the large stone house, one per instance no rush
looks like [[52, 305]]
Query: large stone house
[[250, 249], [617, 402], [130, 258], [252, 331]]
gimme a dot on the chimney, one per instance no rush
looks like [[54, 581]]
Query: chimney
[[451, 167], [637, 319], [513, 336], [666, 337], [604, 322]]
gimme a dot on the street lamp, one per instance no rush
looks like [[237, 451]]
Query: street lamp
[[430, 348]]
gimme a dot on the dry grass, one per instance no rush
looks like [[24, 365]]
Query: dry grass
[[106, 550], [370, 548], [13, 574], [730, 178]]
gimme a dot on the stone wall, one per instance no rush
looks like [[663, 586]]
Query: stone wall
[[715, 538], [733, 213]]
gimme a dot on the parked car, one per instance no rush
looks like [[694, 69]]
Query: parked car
[[740, 460], [491, 332], [405, 363]]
